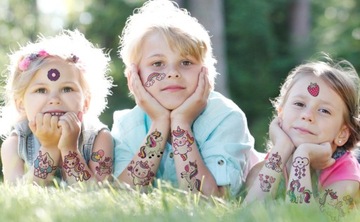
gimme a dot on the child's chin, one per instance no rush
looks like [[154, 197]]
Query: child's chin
[[171, 107]]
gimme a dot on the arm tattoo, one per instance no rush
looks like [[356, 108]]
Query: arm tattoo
[[43, 165], [141, 172], [266, 182], [333, 206], [73, 167], [298, 194], [182, 142], [189, 174], [274, 162], [152, 146], [299, 164], [105, 163]]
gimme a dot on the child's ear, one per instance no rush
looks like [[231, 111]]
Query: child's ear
[[20, 106], [86, 104], [342, 136]]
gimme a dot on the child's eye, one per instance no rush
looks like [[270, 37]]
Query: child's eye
[[186, 63], [157, 64], [299, 104], [324, 111], [40, 90], [67, 89]]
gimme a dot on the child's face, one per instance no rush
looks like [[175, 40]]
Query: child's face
[[308, 117], [169, 77], [56, 89]]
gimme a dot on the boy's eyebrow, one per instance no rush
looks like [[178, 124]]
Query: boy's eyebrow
[[155, 55]]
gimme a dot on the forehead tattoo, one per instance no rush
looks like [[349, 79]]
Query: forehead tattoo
[[313, 89], [53, 74], [151, 78]]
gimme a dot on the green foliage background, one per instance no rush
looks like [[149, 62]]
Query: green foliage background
[[258, 40]]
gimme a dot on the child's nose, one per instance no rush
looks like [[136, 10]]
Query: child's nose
[[173, 73], [54, 100], [307, 115]]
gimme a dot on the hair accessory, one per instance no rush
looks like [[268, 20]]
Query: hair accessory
[[73, 58], [25, 62]]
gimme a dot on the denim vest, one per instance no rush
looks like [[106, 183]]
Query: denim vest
[[29, 145]]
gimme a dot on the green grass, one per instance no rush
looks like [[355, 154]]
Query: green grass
[[106, 203]]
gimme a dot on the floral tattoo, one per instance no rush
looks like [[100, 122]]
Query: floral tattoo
[[43, 165], [53, 74]]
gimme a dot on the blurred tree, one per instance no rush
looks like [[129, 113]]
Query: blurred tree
[[107, 21], [215, 24], [257, 50]]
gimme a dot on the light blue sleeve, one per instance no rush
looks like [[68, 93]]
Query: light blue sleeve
[[122, 152], [225, 142]]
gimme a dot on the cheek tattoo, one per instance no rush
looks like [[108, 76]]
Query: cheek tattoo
[[313, 89], [53, 74], [155, 75]]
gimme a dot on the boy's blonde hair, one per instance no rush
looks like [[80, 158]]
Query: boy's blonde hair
[[69, 46], [181, 31], [341, 77]]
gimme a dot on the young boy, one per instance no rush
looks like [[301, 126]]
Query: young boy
[[181, 130]]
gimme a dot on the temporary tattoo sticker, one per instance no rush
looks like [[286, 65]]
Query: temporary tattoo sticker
[[182, 142], [298, 194], [313, 89], [43, 165], [152, 146], [155, 75], [266, 182], [191, 170], [299, 164], [53, 74], [141, 172]]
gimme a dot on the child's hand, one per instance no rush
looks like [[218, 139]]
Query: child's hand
[[70, 125], [148, 103], [280, 140], [319, 154], [196, 103], [45, 128]]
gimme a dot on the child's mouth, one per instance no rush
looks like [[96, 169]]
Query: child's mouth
[[56, 113]]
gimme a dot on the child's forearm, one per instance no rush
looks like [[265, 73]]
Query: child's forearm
[[142, 169], [74, 167], [266, 181], [191, 170], [299, 188], [44, 166]]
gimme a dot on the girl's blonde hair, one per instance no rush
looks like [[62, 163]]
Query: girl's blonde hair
[[181, 31], [341, 77], [73, 48]]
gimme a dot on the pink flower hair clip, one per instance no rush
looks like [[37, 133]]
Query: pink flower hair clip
[[25, 62]]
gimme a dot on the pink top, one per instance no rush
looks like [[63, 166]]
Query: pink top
[[345, 168]]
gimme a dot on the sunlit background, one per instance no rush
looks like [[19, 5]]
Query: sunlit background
[[256, 42]]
